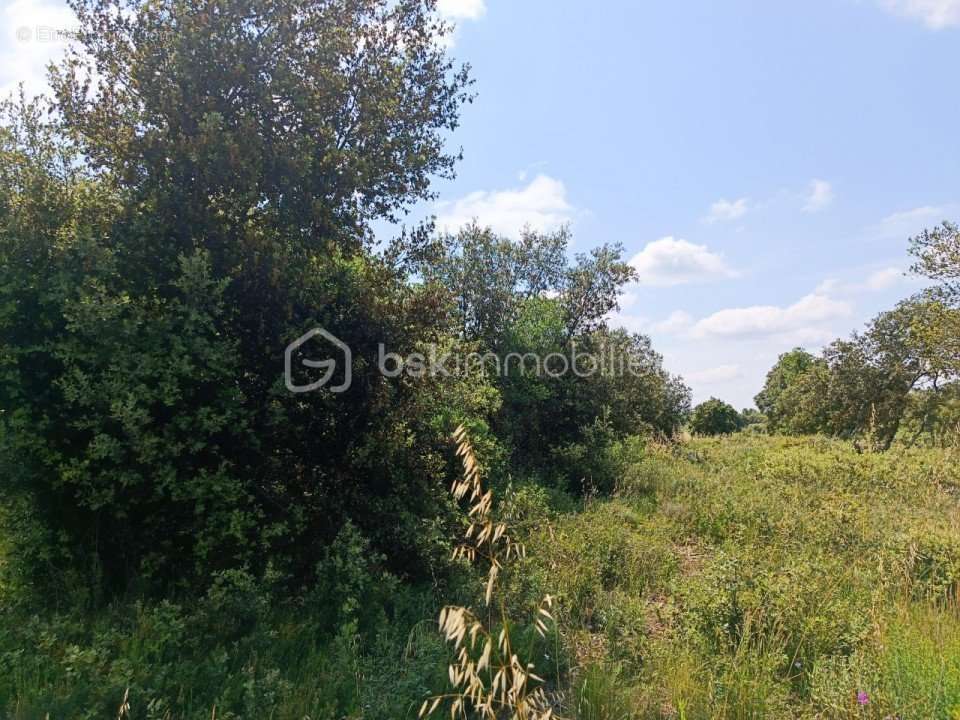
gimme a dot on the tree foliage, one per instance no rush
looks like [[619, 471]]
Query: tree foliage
[[231, 116], [201, 194], [715, 417], [524, 300], [862, 387], [787, 370], [938, 257], [201, 197]]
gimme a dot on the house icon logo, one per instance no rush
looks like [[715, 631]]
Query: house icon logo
[[327, 366]]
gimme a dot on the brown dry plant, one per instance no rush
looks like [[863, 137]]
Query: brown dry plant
[[488, 678]]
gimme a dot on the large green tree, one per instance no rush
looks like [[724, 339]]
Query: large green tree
[[524, 298], [490, 276], [897, 368], [229, 117], [938, 257], [860, 387], [785, 373], [201, 196], [715, 417]]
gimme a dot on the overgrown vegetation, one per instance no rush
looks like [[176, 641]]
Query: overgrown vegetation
[[181, 536], [903, 367], [726, 578], [168, 230]]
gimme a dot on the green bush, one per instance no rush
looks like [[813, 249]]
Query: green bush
[[715, 417]]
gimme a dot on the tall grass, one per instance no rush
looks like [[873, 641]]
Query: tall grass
[[757, 577], [748, 577], [489, 679]]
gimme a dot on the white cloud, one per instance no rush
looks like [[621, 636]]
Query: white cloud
[[935, 14], [715, 375], [804, 320], [920, 214], [820, 197], [462, 9], [724, 210], [828, 286], [905, 224], [668, 261], [630, 323], [731, 350], [457, 11], [542, 205], [883, 279], [628, 299], [32, 35], [677, 321]]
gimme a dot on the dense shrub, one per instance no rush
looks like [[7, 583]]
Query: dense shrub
[[159, 248], [715, 417]]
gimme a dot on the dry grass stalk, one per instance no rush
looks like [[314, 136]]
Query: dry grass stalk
[[124, 711], [488, 677]]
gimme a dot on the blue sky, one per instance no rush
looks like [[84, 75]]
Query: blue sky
[[762, 163]]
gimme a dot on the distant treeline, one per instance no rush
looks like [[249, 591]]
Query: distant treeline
[[897, 376]]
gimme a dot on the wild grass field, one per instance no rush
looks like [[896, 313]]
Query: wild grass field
[[740, 577], [290, 432]]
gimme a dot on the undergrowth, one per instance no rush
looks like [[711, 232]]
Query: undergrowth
[[744, 577]]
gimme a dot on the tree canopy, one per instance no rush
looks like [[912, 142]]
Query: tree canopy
[[904, 364], [201, 193], [715, 417]]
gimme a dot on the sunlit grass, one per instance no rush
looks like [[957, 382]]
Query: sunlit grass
[[747, 577]]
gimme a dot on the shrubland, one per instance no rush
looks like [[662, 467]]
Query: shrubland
[[199, 194], [737, 577], [182, 537]]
